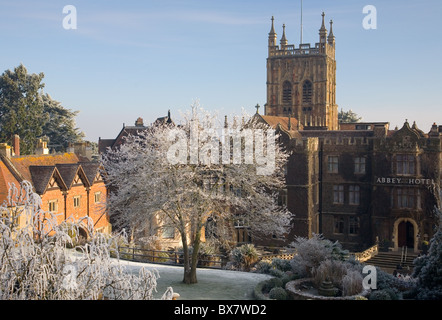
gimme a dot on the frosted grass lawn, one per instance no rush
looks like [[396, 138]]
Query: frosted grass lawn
[[213, 284]]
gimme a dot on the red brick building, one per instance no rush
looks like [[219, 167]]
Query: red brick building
[[69, 185]]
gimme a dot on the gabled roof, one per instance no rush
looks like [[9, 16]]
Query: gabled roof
[[69, 171], [42, 175], [91, 169]]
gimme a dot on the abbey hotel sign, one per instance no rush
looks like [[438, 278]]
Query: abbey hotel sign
[[404, 181]]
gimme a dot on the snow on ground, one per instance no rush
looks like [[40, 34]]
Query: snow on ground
[[213, 284]]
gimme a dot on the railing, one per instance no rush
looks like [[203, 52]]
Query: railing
[[169, 257], [367, 254], [270, 257], [304, 49]]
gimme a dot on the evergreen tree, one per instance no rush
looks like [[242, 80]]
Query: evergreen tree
[[428, 268], [26, 111], [59, 124], [348, 116], [21, 108]]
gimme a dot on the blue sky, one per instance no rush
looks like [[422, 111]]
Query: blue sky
[[130, 59]]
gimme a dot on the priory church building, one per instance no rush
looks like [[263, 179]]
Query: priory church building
[[358, 183]]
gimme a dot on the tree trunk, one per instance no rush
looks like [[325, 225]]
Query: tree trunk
[[186, 261], [190, 271]]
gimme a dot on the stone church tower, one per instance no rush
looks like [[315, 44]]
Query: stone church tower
[[301, 82]]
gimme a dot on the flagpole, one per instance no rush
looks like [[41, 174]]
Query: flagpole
[[301, 23]]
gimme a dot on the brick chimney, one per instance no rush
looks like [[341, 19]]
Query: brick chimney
[[16, 144]]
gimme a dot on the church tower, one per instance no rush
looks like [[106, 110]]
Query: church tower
[[301, 82]]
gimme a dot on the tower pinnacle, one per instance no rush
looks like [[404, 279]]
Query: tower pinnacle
[[272, 35], [331, 36], [284, 41], [323, 31]]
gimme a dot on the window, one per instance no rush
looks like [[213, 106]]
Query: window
[[287, 93], [405, 164], [354, 195], [307, 92], [338, 194], [353, 225], [76, 201], [97, 197], [282, 198], [408, 198], [168, 232], [53, 205], [339, 225], [359, 165], [333, 164]]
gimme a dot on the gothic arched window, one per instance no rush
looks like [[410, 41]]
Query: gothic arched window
[[287, 93], [307, 92]]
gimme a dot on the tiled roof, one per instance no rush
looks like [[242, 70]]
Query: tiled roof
[[68, 172], [6, 177], [90, 169], [41, 175], [22, 163], [273, 121], [39, 169]]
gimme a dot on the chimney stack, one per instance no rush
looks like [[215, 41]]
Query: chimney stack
[[139, 122], [5, 150], [16, 144], [42, 146]]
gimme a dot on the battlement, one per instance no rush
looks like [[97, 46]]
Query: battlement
[[325, 46], [304, 49]]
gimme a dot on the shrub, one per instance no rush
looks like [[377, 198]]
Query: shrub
[[270, 284], [281, 264], [276, 273], [258, 291], [263, 267], [245, 257], [311, 252], [428, 268], [352, 283], [330, 270], [278, 293], [379, 295]]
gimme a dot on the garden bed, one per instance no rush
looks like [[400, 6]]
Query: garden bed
[[303, 289]]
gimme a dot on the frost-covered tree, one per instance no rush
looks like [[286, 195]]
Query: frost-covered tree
[[35, 264], [199, 171], [428, 268]]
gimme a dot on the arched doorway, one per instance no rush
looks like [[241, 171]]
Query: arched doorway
[[405, 234]]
